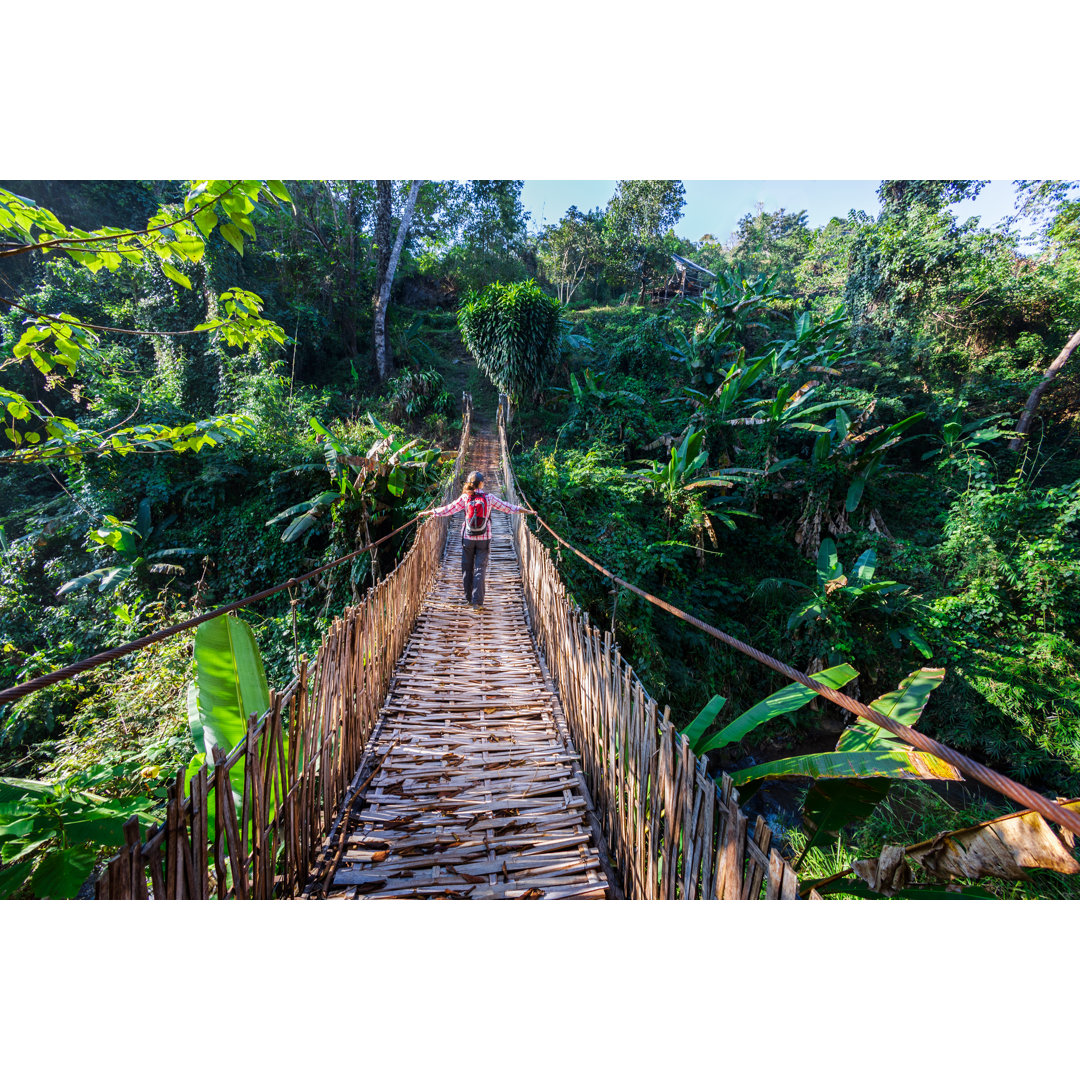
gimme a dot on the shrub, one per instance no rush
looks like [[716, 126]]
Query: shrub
[[513, 333]]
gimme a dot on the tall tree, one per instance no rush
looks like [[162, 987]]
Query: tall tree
[[638, 215], [904, 195], [769, 242], [386, 267], [571, 249]]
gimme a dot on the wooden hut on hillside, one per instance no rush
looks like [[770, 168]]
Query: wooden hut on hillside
[[688, 279]]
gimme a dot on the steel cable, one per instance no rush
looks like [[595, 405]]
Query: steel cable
[[1067, 819], [13, 693]]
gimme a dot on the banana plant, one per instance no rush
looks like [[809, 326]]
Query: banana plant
[[704, 349], [674, 479], [838, 606], [845, 457], [849, 781], [229, 687], [960, 442], [372, 483], [129, 539], [787, 410], [592, 397], [815, 345], [674, 476], [737, 300], [861, 451], [723, 315], [730, 396], [783, 703]]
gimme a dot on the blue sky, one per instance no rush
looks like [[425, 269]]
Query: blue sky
[[715, 206]]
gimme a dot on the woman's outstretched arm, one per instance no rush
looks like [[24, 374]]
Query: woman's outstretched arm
[[505, 507], [448, 509]]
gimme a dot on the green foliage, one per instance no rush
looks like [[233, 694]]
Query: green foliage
[[230, 685], [847, 456], [513, 333], [366, 487], [823, 346], [174, 237], [783, 703], [572, 250], [52, 833], [842, 612], [415, 393], [129, 539], [591, 403], [850, 781]]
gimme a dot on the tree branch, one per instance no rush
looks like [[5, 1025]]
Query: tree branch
[[113, 237], [1032, 404], [94, 326]]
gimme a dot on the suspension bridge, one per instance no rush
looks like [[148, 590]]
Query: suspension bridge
[[433, 750]]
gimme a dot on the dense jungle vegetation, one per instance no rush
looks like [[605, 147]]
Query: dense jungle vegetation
[[186, 400]]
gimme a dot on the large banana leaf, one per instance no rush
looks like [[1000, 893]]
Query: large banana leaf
[[695, 730], [230, 683], [792, 697], [85, 579], [905, 705], [828, 566], [831, 804], [864, 567], [861, 764]]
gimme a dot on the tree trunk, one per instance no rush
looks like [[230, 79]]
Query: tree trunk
[[1032, 404], [384, 364]]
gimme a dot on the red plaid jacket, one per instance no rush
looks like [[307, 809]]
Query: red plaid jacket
[[494, 503]]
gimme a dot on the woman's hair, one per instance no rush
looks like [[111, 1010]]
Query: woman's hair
[[472, 482]]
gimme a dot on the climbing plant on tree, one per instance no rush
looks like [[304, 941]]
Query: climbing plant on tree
[[513, 333]]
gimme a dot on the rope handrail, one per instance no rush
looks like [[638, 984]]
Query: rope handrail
[[1067, 819], [14, 693]]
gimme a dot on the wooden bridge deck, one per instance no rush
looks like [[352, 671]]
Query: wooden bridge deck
[[470, 787]]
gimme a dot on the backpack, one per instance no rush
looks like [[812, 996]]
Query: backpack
[[476, 516]]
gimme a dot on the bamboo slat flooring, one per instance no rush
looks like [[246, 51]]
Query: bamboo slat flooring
[[470, 786]]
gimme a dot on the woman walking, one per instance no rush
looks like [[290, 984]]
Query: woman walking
[[475, 531]]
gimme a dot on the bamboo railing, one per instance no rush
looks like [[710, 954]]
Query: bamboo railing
[[673, 833], [297, 760]]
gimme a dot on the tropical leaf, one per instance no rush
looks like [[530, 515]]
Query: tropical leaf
[[905, 705], [854, 493], [1005, 848], [863, 570], [828, 566], [231, 683], [788, 700], [853, 764], [63, 872], [696, 729], [83, 580], [832, 804]]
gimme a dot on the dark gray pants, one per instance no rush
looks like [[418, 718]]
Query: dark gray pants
[[474, 557]]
